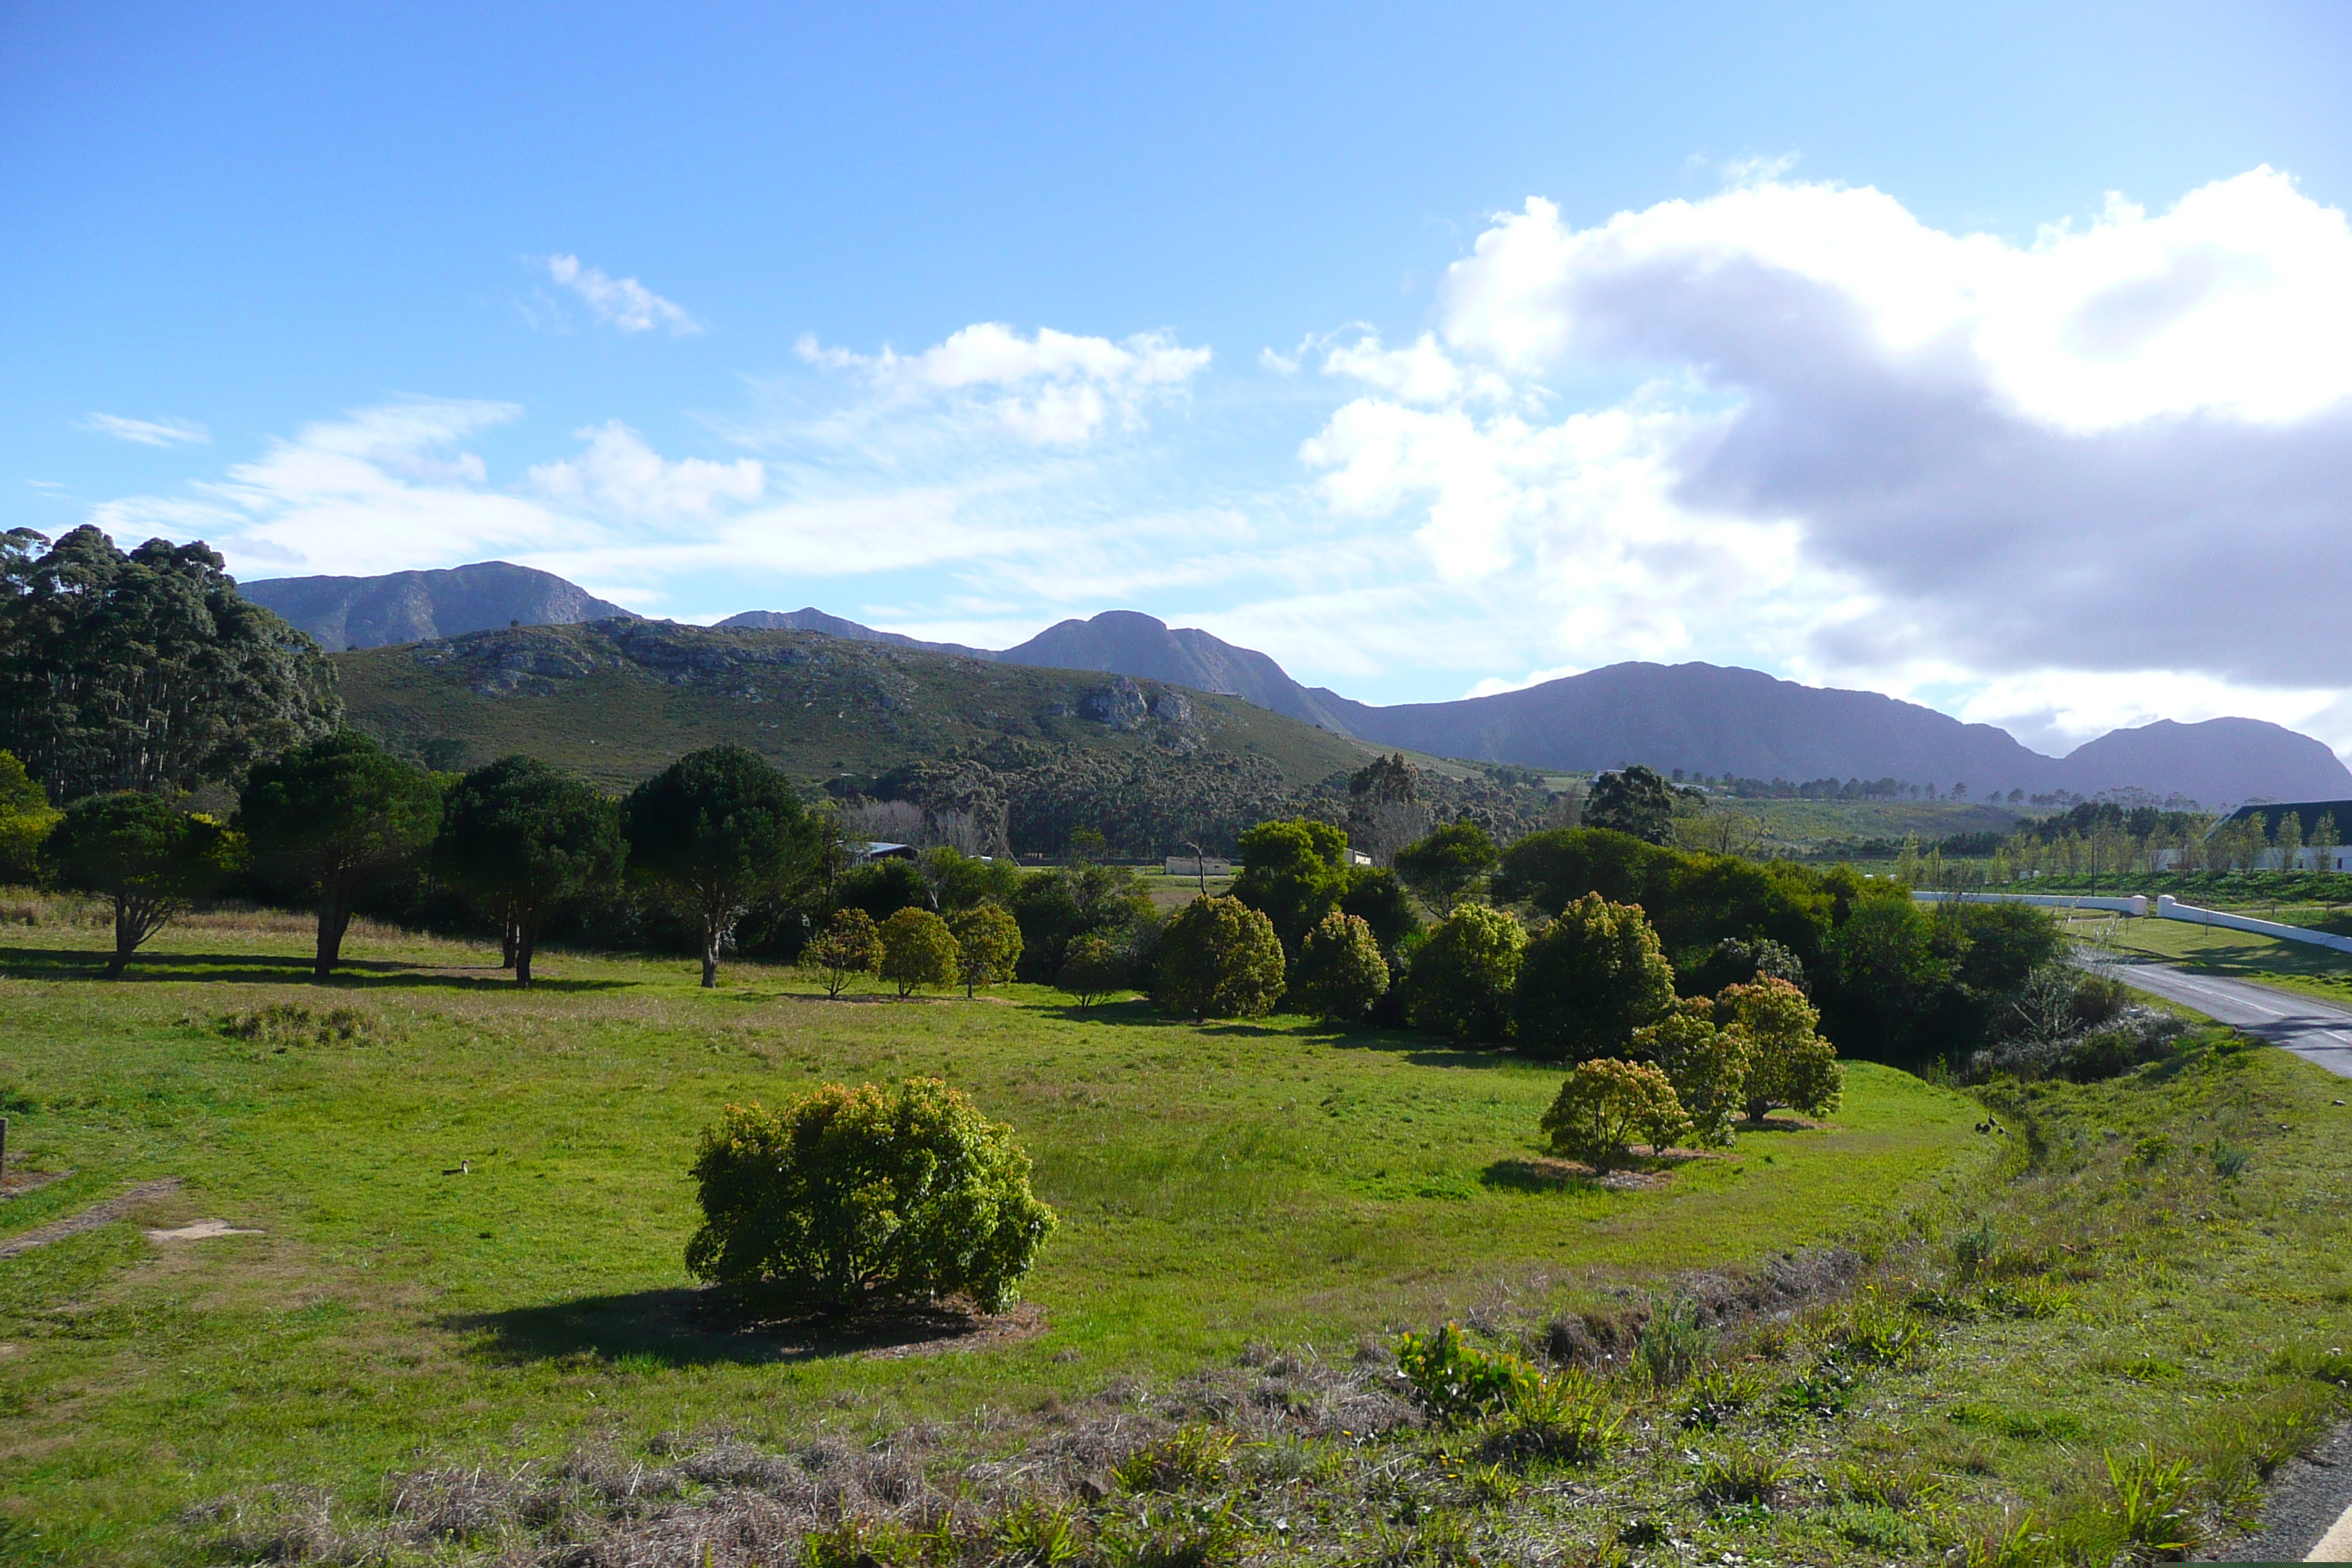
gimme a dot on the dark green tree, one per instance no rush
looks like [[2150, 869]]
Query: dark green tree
[[1636, 801], [1340, 971], [523, 840], [1592, 978], [1219, 959], [1461, 981], [1442, 866], [142, 856], [145, 671], [335, 817], [1294, 873], [1058, 908], [717, 831]]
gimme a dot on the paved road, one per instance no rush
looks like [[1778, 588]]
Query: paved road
[[2315, 1030]]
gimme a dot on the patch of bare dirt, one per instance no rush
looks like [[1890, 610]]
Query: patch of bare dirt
[[17, 1183], [91, 1217]]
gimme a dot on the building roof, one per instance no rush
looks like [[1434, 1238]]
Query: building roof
[[2309, 811]]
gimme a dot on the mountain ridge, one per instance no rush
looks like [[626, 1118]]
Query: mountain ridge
[[345, 613], [1704, 719]]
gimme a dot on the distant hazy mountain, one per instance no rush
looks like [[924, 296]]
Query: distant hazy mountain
[[414, 606], [812, 619], [2232, 760], [1710, 720], [1125, 642], [1701, 718]]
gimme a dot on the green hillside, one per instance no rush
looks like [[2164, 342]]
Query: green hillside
[[615, 701]]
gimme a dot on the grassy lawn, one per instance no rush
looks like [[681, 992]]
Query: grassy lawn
[[1216, 1185], [2216, 949]]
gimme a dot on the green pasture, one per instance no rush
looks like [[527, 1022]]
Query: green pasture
[[1216, 1184]]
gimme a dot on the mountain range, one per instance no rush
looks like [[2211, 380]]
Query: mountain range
[[1703, 718]]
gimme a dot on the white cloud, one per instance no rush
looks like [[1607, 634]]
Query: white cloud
[[1495, 685], [623, 303], [149, 432], [620, 474], [2059, 465], [1053, 389]]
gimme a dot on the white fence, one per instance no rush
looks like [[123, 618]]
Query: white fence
[[2135, 905], [2168, 908]]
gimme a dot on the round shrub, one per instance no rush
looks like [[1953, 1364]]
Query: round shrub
[[1707, 1066], [1788, 1062], [1608, 1105], [917, 949], [1092, 971], [850, 945], [988, 944], [1461, 981], [1340, 971], [1592, 978], [1219, 959], [850, 1199]]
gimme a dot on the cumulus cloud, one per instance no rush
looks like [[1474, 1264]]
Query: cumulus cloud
[[620, 474], [1051, 389], [1859, 439], [622, 303], [149, 432]]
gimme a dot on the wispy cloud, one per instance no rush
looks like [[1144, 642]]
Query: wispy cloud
[[1051, 389], [622, 303], [149, 432]]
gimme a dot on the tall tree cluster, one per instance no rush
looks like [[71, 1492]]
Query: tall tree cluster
[[145, 670]]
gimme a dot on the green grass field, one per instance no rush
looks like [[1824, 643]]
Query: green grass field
[[1216, 1185]]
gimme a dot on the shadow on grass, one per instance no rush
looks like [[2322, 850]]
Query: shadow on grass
[[250, 968], [700, 1326], [1142, 1014]]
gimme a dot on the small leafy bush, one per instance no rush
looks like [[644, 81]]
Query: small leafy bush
[[849, 946], [2229, 1161], [1092, 971], [917, 949], [2155, 1502], [1453, 1379], [1671, 1344], [281, 1024], [2028, 1298], [1875, 1334], [1188, 1457], [1563, 1419], [1340, 971], [1607, 1105], [1173, 1538], [1827, 1390], [1741, 1475], [1717, 1394], [1034, 1535], [844, 1199]]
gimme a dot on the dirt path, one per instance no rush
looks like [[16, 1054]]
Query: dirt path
[[90, 1219]]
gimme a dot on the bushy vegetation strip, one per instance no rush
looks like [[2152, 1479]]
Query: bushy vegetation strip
[[2098, 1353]]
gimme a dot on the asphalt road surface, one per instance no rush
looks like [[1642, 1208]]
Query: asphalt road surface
[[2315, 1030]]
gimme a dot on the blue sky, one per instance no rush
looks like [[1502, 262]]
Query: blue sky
[[1997, 358]]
